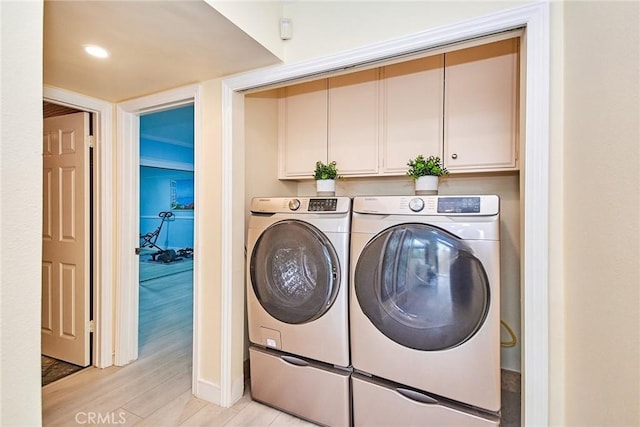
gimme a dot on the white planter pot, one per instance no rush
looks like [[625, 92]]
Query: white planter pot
[[427, 185], [326, 187]]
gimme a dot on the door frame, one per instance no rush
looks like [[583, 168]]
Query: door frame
[[103, 230], [534, 176], [128, 217]]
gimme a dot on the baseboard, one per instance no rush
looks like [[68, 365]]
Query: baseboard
[[208, 391], [237, 391]]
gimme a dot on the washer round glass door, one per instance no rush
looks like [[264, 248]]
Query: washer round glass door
[[422, 287], [295, 272]]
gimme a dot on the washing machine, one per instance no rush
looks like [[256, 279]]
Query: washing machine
[[425, 310], [297, 306]]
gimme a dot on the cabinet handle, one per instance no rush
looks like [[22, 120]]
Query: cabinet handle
[[454, 156]]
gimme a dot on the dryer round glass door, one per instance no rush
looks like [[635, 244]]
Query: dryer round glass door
[[422, 287], [295, 272]]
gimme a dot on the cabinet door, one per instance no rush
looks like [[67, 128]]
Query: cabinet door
[[303, 129], [481, 107], [412, 112], [353, 122]]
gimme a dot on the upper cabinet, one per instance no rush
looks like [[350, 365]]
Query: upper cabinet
[[481, 108], [353, 122], [411, 112], [302, 139], [462, 106]]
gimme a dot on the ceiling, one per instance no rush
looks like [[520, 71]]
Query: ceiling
[[154, 46]]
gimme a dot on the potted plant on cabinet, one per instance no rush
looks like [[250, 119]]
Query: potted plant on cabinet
[[426, 173], [325, 176]]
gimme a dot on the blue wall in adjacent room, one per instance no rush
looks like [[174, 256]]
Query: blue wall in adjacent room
[[166, 159], [155, 197]]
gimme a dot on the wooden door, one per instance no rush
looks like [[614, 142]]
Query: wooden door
[[65, 236]]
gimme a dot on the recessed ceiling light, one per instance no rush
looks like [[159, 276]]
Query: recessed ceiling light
[[97, 51]]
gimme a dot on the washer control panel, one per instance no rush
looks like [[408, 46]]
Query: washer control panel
[[301, 205], [323, 205]]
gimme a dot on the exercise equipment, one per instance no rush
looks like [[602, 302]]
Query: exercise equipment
[[149, 240]]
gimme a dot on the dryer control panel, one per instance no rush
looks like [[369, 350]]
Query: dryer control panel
[[468, 205]]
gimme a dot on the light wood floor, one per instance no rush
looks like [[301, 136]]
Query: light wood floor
[[155, 390]]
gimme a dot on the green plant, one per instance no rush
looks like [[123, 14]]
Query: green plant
[[328, 171], [423, 167]]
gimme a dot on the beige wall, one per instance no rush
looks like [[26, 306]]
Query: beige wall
[[601, 213], [20, 211], [556, 229], [209, 235], [261, 159], [594, 276], [259, 19], [326, 27]]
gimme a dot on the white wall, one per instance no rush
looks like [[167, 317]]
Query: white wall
[[20, 211]]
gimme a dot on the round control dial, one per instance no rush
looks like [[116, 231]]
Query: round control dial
[[294, 204], [416, 204]]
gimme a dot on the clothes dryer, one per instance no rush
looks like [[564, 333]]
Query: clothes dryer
[[425, 309], [297, 305]]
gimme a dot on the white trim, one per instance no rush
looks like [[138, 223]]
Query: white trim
[[199, 214], [535, 313], [535, 17], [126, 308], [103, 260], [126, 346], [206, 390]]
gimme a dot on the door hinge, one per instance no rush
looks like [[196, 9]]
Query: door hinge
[[91, 141], [137, 251], [92, 326]]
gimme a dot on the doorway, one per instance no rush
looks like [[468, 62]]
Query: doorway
[[128, 218], [166, 226]]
